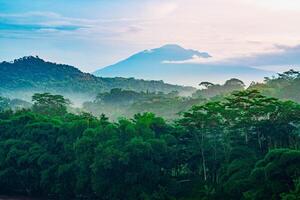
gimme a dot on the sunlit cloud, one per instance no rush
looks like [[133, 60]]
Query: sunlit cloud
[[292, 5], [224, 28]]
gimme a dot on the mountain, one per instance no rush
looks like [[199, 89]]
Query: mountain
[[31, 74], [170, 63]]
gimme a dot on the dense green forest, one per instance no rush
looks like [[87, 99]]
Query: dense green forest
[[243, 146]]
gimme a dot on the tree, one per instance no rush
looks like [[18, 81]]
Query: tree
[[204, 125], [289, 75], [206, 84], [234, 82], [294, 194], [253, 116], [216, 90], [49, 104], [244, 146], [274, 175]]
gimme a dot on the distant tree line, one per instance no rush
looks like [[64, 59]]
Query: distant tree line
[[284, 86], [125, 103]]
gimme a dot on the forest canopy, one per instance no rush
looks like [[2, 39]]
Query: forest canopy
[[244, 146]]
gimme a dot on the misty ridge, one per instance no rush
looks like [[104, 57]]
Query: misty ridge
[[123, 97], [28, 75]]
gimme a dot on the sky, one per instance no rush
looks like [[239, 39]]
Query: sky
[[91, 34]]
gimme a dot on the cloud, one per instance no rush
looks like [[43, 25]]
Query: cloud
[[39, 24], [281, 59], [225, 28], [134, 29], [38, 21], [285, 55], [290, 5], [162, 9], [193, 60]]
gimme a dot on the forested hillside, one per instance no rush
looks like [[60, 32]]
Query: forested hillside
[[245, 146], [168, 63], [32, 74]]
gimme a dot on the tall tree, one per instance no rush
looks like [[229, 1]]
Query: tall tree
[[49, 104]]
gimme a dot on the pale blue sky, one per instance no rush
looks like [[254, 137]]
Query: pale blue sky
[[94, 33]]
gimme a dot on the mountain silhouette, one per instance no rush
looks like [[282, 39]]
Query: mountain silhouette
[[170, 63]]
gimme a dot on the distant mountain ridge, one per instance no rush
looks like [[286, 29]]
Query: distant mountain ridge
[[172, 52], [169, 63], [31, 73]]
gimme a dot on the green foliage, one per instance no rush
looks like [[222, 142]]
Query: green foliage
[[49, 104], [284, 85], [293, 194], [211, 90], [275, 174], [245, 146]]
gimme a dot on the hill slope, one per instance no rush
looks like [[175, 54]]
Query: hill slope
[[168, 63], [32, 74]]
